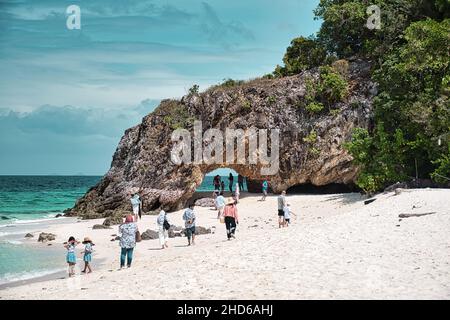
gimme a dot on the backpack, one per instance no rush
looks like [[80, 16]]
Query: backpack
[[166, 225]]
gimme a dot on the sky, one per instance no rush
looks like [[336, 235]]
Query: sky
[[67, 96]]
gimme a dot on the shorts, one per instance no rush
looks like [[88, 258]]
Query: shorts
[[136, 210], [280, 213], [71, 258], [190, 231], [221, 209], [288, 220]]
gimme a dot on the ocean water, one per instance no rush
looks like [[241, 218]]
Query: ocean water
[[29, 204], [207, 183], [37, 197]]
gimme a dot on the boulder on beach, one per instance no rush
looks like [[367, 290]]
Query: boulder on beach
[[100, 226], [58, 215], [202, 230], [175, 231], [205, 202], [149, 235], [115, 218], [29, 235], [44, 237]]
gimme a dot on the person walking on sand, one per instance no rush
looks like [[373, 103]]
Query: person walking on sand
[[87, 257], [220, 204], [265, 187], [281, 204], [163, 229], [222, 186], [189, 223], [136, 204], [241, 182], [71, 257], [230, 182], [287, 215], [230, 214], [127, 231]]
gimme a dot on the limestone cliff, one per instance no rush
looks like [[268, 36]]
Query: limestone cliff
[[142, 159]]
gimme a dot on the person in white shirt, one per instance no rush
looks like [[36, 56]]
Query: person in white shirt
[[287, 215], [136, 204], [220, 204], [237, 193]]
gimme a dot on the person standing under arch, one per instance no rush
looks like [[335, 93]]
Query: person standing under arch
[[230, 182], [241, 182]]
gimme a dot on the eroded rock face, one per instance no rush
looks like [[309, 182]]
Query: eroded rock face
[[142, 160]]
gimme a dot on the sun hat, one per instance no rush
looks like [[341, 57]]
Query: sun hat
[[86, 240], [230, 200]]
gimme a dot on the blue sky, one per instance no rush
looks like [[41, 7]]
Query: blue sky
[[66, 96]]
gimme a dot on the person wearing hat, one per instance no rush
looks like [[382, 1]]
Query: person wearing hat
[[128, 231], [230, 214], [87, 258]]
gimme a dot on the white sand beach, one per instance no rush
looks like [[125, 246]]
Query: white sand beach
[[336, 248]]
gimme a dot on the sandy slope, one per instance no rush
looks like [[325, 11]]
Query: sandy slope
[[336, 248]]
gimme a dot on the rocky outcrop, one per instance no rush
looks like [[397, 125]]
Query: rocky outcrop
[[44, 237], [205, 202], [142, 161]]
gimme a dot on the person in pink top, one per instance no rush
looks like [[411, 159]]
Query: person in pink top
[[230, 214]]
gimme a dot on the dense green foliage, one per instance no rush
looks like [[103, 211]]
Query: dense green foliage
[[322, 94], [194, 89], [411, 65], [302, 54], [177, 116]]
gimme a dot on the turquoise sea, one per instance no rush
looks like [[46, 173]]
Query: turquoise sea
[[29, 204], [26, 204]]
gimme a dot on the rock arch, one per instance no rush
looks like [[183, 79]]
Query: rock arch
[[142, 163]]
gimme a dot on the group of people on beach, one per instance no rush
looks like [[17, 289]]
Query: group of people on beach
[[219, 184], [227, 213]]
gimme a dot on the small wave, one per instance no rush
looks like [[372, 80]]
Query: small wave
[[5, 234], [15, 242], [12, 277], [37, 220]]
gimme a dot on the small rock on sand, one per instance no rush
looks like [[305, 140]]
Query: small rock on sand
[[100, 226], [148, 235], [44, 237], [204, 202], [29, 235]]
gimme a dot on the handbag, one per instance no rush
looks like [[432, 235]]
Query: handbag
[[138, 236], [166, 225], [222, 219]]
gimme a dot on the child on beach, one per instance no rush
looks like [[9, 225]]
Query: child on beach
[[71, 257], [287, 215], [87, 257]]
